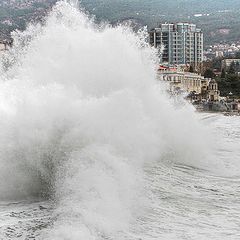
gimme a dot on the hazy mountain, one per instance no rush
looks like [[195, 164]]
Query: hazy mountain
[[219, 19], [163, 6]]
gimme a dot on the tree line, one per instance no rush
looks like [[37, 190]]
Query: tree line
[[229, 79]]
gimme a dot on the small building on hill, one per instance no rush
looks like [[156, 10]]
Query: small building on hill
[[226, 63]]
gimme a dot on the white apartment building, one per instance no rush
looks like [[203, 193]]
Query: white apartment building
[[182, 43]]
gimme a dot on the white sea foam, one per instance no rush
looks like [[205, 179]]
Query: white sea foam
[[81, 114]]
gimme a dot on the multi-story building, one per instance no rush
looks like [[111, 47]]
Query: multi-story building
[[5, 45], [2, 46], [182, 43], [189, 82], [181, 80]]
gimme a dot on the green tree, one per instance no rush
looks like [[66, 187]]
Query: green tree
[[232, 68], [209, 73], [229, 84], [191, 69], [237, 55], [237, 67], [223, 74]]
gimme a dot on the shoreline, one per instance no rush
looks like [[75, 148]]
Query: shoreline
[[228, 114]]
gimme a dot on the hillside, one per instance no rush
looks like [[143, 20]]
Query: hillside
[[15, 14], [219, 19]]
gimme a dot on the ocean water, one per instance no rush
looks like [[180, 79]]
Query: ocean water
[[92, 147]]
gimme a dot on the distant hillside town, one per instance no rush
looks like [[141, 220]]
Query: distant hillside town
[[224, 50], [212, 84], [15, 14]]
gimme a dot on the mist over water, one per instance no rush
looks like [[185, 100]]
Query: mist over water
[[81, 118]]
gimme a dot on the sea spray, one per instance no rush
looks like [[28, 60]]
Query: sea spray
[[81, 114]]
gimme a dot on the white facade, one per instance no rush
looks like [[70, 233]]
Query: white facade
[[180, 80]]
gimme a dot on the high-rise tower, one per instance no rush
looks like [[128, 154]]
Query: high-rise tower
[[182, 43]]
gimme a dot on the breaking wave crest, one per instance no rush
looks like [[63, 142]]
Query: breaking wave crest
[[81, 114]]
